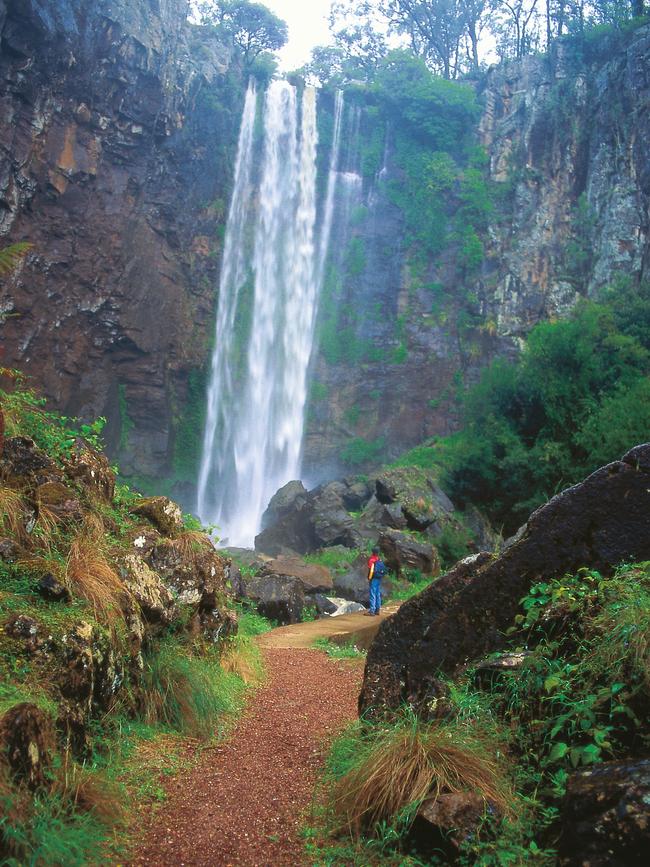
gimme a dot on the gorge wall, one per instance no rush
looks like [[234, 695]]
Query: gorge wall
[[567, 144], [118, 133], [118, 130]]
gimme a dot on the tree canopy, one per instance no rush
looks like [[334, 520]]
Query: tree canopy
[[251, 27]]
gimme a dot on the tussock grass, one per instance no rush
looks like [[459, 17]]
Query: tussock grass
[[190, 694], [12, 512], [89, 573], [392, 770], [191, 542]]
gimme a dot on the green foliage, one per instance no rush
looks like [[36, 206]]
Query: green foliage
[[359, 451], [337, 559], [56, 434], [188, 427], [347, 650], [576, 398], [126, 423], [453, 543], [50, 832]]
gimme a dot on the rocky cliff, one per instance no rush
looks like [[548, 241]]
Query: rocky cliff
[[119, 121], [118, 129], [567, 171]]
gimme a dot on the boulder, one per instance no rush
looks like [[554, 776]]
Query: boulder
[[353, 584], [23, 465], [443, 823], [464, 615], [195, 577], [332, 523], [163, 513], [91, 674], [322, 604], [155, 600], [489, 670], [293, 530], [605, 816], [277, 597], [356, 493], [143, 539], [377, 516], [52, 589], [347, 607], [401, 551], [91, 469], [422, 501], [312, 577], [60, 500], [288, 498], [25, 629], [27, 743]]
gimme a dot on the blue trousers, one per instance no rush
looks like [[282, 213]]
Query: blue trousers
[[375, 595]]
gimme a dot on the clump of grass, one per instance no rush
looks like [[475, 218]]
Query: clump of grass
[[347, 650], [242, 656], [337, 559], [395, 768], [12, 512], [189, 693], [89, 573]]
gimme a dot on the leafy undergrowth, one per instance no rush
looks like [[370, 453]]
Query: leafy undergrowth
[[579, 696], [156, 693]]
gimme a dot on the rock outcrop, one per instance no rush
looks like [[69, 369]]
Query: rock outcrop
[[153, 578], [601, 522], [605, 816], [118, 129], [353, 511], [567, 141]]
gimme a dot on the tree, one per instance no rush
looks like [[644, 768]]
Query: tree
[[358, 29], [434, 29], [251, 27]]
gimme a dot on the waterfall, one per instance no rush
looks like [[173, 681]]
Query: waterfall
[[266, 316]]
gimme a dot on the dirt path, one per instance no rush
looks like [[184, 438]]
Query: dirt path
[[246, 801]]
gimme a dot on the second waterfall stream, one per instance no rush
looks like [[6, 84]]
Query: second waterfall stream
[[268, 295]]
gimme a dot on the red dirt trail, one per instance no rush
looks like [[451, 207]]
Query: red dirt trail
[[245, 802]]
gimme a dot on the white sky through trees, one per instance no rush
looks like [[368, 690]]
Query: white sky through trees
[[307, 21]]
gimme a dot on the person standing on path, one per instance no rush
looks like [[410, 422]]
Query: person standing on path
[[376, 571]]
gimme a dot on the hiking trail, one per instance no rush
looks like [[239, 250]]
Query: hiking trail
[[245, 801]]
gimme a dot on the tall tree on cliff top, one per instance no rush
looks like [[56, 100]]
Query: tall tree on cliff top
[[251, 27]]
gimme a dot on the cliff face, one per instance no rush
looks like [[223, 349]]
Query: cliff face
[[573, 142], [118, 126], [118, 131], [568, 145]]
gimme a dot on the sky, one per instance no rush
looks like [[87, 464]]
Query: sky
[[307, 21]]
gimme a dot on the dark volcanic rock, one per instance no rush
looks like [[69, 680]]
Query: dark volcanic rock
[[402, 551], [600, 522], [287, 499], [107, 112], [24, 465], [27, 743], [321, 603], [606, 816], [444, 823], [312, 577], [279, 598]]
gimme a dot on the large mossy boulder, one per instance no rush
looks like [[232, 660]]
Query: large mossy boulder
[[601, 522]]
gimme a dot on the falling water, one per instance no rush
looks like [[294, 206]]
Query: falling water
[[258, 386]]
